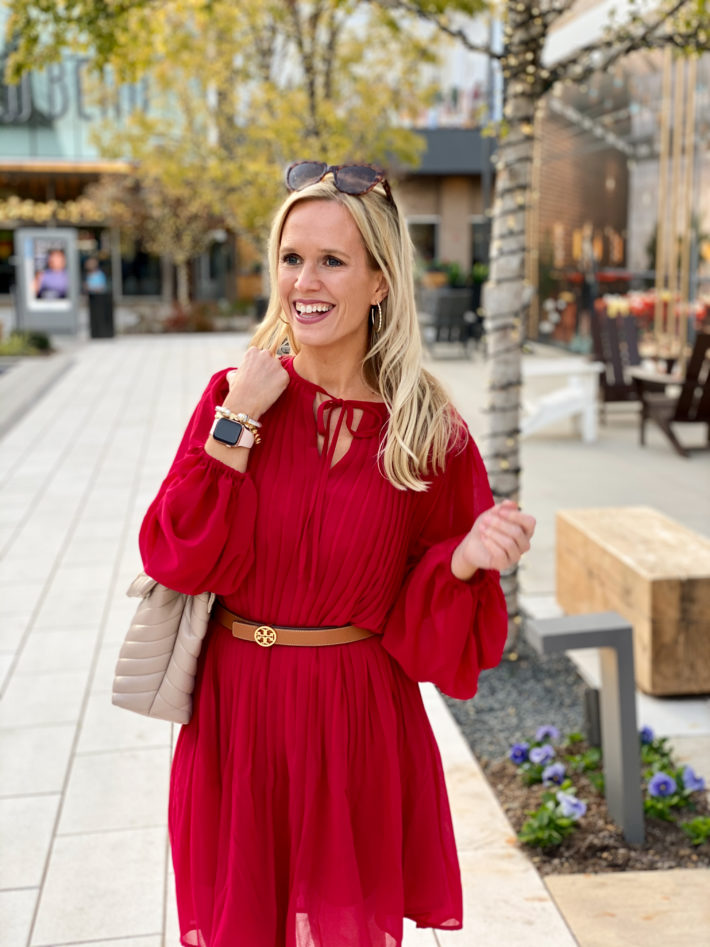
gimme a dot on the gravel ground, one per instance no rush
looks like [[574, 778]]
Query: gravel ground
[[517, 697]]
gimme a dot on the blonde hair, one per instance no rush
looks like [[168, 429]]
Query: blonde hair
[[423, 426]]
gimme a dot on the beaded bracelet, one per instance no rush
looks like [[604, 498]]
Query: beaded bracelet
[[249, 423]]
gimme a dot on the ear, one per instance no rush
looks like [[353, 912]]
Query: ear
[[381, 290]]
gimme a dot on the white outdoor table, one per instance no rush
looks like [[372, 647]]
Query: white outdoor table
[[577, 397]]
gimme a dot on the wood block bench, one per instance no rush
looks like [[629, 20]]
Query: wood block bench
[[656, 574]]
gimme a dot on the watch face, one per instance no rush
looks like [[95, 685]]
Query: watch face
[[226, 431]]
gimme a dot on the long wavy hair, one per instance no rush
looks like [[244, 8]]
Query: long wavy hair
[[423, 426]]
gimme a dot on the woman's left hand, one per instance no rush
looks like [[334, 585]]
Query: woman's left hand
[[496, 540]]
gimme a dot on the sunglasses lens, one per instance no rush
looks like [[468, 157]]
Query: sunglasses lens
[[357, 179], [303, 173]]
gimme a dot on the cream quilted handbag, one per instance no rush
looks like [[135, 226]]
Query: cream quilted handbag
[[155, 673]]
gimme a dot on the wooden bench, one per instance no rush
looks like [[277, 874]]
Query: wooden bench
[[656, 574]]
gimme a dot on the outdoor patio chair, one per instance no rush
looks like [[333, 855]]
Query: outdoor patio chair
[[692, 405], [446, 315], [615, 343]]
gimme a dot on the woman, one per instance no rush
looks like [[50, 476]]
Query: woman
[[337, 506], [53, 281]]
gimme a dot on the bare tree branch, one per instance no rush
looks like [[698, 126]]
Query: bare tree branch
[[333, 30], [573, 67], [434, 20], [307, 64]]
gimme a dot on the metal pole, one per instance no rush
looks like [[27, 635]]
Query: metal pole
[[673, 326], [662, 180], [687, 232], [620, 742]]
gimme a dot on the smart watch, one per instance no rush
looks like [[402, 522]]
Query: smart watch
[[231, 433]]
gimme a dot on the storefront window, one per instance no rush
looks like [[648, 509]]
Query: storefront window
[[140, 271], [425, 237], [7, 270], [480, 240]]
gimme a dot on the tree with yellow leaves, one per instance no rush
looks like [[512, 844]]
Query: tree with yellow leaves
[[237, 91]]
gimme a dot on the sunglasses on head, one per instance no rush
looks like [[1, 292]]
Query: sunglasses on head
[[354, 179]]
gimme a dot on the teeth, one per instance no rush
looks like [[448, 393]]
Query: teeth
[[316, 307]]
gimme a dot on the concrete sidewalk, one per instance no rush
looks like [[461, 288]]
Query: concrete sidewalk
[[83, 799]]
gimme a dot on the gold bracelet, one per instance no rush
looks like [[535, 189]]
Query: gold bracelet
[[249, 423], [226, 413]]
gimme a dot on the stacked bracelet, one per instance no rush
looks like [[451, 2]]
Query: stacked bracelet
[[249, 423]]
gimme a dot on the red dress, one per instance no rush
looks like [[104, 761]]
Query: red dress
[[307, 799]]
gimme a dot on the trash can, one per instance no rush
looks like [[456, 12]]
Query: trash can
[[101, 315], [261, 304]]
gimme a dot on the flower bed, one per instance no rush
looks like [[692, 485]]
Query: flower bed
[[551, 789]]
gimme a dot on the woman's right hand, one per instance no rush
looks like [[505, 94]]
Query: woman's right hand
[[259, 383]]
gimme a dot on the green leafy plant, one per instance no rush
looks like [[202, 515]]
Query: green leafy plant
[[25, 343], [667, 791], [697, 829], [668, 788], [655, 753], [479, 272], [554, 820]]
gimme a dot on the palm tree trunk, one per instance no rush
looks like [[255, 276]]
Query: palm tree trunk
[[506, 293]]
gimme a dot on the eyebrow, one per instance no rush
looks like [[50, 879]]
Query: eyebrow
[[325, 251]]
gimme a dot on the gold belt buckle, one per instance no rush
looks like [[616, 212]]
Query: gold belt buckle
[[265, 636]]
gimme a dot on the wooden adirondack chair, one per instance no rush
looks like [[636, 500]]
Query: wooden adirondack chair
[[692, 405], [615, 343]]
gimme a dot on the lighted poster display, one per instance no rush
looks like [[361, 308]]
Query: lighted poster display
[[48, 278], [47, 271]]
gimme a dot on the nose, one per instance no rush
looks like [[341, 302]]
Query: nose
[[307, 277]]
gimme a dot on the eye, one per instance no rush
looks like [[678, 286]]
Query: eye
[[291, 259], [333, 261]]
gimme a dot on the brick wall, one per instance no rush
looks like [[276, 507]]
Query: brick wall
[[581, 184]]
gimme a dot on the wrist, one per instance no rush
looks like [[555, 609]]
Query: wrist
[[461, 568], [252, 411], [244, 402], [235, 430]]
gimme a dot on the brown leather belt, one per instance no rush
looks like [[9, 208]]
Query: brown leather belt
[[268, 635]]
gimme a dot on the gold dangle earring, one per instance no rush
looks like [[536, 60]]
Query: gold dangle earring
[[379, 318]]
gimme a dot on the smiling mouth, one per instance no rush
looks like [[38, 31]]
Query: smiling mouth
[[312, 312]]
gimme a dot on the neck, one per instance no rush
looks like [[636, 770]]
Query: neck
[[340, 375]]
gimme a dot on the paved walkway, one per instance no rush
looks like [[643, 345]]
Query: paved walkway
[[82, 800]]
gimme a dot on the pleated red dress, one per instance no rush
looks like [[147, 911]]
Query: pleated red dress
[[307, 799]]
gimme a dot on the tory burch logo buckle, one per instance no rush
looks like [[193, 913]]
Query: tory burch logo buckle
[[265, 636]]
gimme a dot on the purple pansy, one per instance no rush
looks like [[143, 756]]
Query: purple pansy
[[661, 784], [571, 806], [519, 753], [542, 754], [547, 732], [692, 782], [553, 774], [646, 734]]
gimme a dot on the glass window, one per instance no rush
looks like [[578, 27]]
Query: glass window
[[424, 236], [7, 270], [480, 240], [140, 271]]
